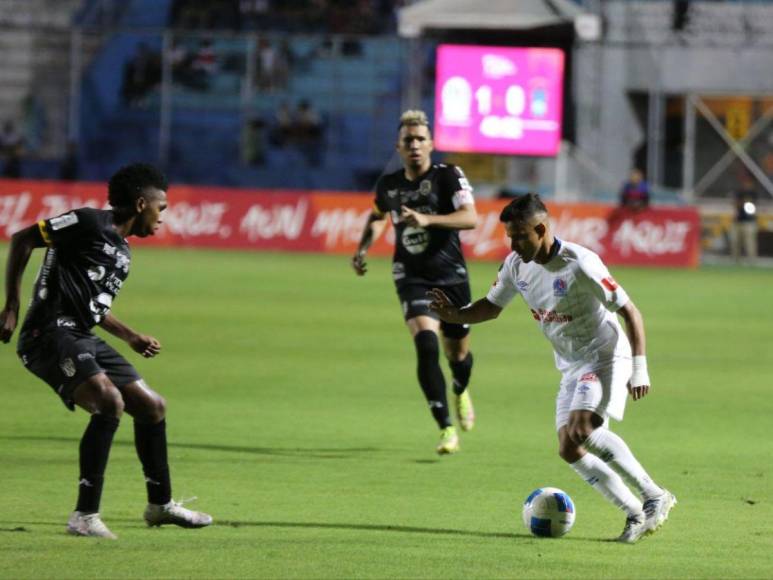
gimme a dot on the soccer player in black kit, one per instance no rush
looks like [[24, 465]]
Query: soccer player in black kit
[[86, 263], [428, 204]]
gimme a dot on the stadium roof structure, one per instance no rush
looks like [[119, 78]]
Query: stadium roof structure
[[488, 15]]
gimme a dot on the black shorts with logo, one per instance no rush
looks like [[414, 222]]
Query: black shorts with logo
[[415, 302], [65, 357]]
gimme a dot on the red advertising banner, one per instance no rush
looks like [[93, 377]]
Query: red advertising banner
[[332, 222]]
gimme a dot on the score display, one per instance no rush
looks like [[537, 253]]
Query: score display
[[495, 99]]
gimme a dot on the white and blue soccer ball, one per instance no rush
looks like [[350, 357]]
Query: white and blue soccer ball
[[548, 512]]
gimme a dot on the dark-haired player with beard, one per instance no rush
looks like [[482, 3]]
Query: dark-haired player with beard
[[86, 263], [428, 204]]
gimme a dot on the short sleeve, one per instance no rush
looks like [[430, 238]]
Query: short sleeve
[[504, 289], [380, 207], [460, 188], [66, 228], [602, 284]]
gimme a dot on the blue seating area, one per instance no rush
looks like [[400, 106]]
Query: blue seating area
[[355, 90]]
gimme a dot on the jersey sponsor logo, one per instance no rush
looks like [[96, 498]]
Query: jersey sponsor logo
[[96, 273], [415, 240], [392, 192], [63, 221], [85, 356], [559, 287], [66, 323], [610, 284], [68, 367], [543, 315], [589, 377]]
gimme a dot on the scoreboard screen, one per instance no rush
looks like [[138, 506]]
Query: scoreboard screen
[[495, 99]]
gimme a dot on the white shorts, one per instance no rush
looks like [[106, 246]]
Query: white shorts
[[601, 389]]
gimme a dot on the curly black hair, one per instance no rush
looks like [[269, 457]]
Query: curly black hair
[[128, 183], [522, 208]]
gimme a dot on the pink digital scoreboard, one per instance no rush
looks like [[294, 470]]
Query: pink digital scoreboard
[[494, 99]]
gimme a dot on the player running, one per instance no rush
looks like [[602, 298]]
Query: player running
[[428, 204], [85, 265], [574, 300]]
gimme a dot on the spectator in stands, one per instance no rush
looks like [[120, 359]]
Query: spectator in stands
[[11, 148], [204, 65], [743, 232], [268, 65], [254, 142], [70, 167], [141, 74], [635, 193], [254, 14], [281, 132], [308, 132]]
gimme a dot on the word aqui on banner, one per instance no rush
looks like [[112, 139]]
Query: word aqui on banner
[[331, 222]]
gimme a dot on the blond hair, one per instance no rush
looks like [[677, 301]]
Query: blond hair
[[413, 118]]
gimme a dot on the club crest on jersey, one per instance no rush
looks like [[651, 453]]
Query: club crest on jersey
[[68, 367], [609, 283], [559, 287], [392, 193], [425, 186], [522, 285]]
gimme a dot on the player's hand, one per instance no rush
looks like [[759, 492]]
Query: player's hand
[[441, 303], [359, 264], [639, 391], [8, 320], [413, 218], [146, 345]]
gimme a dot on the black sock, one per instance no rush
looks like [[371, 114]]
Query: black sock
[[461, 370], [431, 378], [150, 442], [94, 452]]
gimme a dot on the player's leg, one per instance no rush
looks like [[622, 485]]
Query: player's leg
[[148, 409], [423, 325], [597, 393], [98, 396], [64, 358], [591, 468], [424, 331], [456, 345], [456, 340]]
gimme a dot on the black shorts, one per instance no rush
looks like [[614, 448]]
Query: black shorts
[[65, 357], [415, 302]]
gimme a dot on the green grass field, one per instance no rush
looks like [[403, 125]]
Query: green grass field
[[295, 417]]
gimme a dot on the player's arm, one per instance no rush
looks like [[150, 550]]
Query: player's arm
[[464, 218], [146, 345], [373, 229], [479, 311], [22, 244], [639, 385]]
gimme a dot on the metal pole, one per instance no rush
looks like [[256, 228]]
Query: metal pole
[[688, 159], [165, 121], [76, 68]]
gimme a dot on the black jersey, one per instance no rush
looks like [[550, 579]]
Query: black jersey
[[425, 255], [85, 265]]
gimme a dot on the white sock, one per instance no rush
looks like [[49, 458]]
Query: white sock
[[607, 483], [613, 451]]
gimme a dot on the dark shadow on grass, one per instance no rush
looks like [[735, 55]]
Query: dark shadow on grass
[[305, 452], [396, 529], [138, 523]]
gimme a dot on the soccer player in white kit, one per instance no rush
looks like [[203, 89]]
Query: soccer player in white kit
[[576, 302]]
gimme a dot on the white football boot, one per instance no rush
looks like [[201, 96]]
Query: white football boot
[[174, 513], [657, 510], [81, 524], [635, 528]]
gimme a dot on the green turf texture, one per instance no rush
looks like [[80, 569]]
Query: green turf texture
[[295, 417]]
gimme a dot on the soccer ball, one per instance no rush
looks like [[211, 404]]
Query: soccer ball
[[548, 512]]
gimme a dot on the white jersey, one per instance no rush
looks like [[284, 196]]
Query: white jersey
[[574, 299]]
